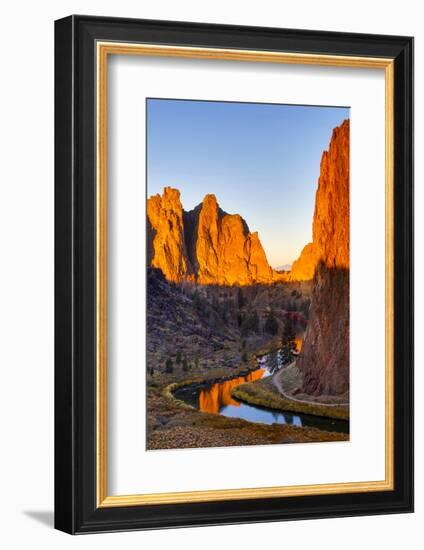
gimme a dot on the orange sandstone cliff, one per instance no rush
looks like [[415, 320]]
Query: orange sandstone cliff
[[205, 245], [226, 252], [324, 359], [166, 247], [303, 268]]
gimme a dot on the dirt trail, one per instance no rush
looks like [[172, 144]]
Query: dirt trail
[[276, 379]]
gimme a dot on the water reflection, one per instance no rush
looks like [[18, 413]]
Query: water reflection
[[217, 399], [253, 413], [213, 399]]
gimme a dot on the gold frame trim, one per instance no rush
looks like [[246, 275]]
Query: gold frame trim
[[104, 49]]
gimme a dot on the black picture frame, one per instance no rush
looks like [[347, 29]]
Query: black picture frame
[[76, 510]]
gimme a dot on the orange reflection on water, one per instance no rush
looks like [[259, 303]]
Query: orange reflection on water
[[219, 395]]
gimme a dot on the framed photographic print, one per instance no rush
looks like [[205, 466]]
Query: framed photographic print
[[234, 274]]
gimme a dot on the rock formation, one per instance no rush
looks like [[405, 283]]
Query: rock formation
[[330, 229], [324, 359], [166, 247], [205, 244], [226, 252], [303, 268], [259, 269]]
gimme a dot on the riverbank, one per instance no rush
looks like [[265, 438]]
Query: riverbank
[[174, 424], [275, 392], [219, 374]]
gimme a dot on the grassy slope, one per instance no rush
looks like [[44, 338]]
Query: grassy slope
[[264, 393]]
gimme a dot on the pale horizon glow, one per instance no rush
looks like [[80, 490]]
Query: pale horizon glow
[[261, 161]]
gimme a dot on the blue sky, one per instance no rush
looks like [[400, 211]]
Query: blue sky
[[261, 161]]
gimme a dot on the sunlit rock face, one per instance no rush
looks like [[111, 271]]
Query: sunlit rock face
[[259, 269], [299, 342], [226, 252], [166, 247], [324, 359], [207, 238], [205, 244], [303, 268], [331, 226]]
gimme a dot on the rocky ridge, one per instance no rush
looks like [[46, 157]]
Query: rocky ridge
[[324, 359], [205, 245]]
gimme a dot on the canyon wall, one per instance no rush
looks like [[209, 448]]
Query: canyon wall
[[324, 359]]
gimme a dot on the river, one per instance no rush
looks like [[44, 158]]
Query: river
[[216, 398]]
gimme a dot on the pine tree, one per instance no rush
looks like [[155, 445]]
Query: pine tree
[[240, 298], [288, 341], [289, 335], [255, 321], [169, 367], [271, 324]]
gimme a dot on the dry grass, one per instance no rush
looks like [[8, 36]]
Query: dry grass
[[264, 394]]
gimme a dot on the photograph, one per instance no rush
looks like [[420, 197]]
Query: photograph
[[247, 260]]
